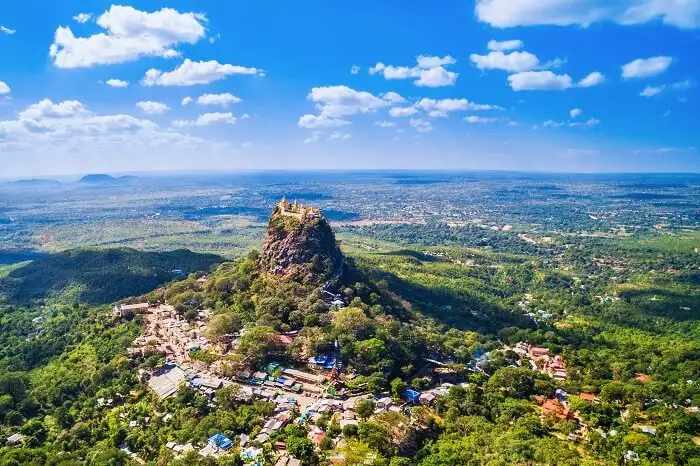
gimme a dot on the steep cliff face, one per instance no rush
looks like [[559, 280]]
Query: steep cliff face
[[301, 248]]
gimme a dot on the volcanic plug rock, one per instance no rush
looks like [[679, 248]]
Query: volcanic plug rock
[[300, 245]]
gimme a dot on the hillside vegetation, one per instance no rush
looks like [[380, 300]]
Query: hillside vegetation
[[625, 323], [98, 276]]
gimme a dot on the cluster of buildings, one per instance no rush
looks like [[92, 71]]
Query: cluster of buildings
[[168, 333], [540, 360]]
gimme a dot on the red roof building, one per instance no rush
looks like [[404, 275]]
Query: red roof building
[[552, 407], [317, 438], [539, 352]]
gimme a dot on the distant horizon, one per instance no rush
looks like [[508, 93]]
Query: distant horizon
[[75, 177]]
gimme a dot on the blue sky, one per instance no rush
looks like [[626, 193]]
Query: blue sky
[[591, 85]]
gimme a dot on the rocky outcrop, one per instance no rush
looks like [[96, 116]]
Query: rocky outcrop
[[300, 247]]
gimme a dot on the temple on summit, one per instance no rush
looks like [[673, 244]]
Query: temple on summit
[[297, 210]]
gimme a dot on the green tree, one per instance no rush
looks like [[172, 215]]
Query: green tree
[[364, 408], [398, 386]]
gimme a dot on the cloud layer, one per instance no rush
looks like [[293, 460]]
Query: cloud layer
[[129, 34], [510, 13]]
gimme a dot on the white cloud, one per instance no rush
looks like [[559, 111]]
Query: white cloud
[[646, 67], [46, 109], [355, 69], [246, 144], [393, 97], [223, 100], [46, 119], [590, 123], [513, 62], [394, 72], [6, 30], [320, 121], [339, 101], [510, 13], [436, 77], [683, 85], [4, 88], [440, 108], [398, 112], [429, 72], [210, 118], [593, 79], [477, 119], [575, 112], [245, 116], [651, 91], [68, 128], [191, 73], [315, 137], [207, 119], [513, 123], [385, 124], [333, 136], [187, 100], [552, 124], [422, 126], [539, 81], [129, 34], [426, 62], [152, 108], [505, 45], [214, 38], [82, 17], [339, 135], [116, 83], [552, 64]]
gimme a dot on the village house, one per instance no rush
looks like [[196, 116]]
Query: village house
[[167, 383], [554, 407], [15, 439], [304, 376], [540, 360], [124, 309]]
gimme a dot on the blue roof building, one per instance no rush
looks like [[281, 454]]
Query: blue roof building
[[220, 441], [411, 395]]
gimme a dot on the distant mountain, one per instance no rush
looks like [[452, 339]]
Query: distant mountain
[[36, 182], [96, 178]]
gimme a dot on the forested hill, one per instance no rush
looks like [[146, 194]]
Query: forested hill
[[98, 276]]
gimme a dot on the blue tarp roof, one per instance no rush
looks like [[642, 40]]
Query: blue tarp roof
[[221, 441], [411, 395]]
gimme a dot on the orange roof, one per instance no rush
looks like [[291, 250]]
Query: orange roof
[[587, 396], [644, 378], [553, 406], [318, 437]]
